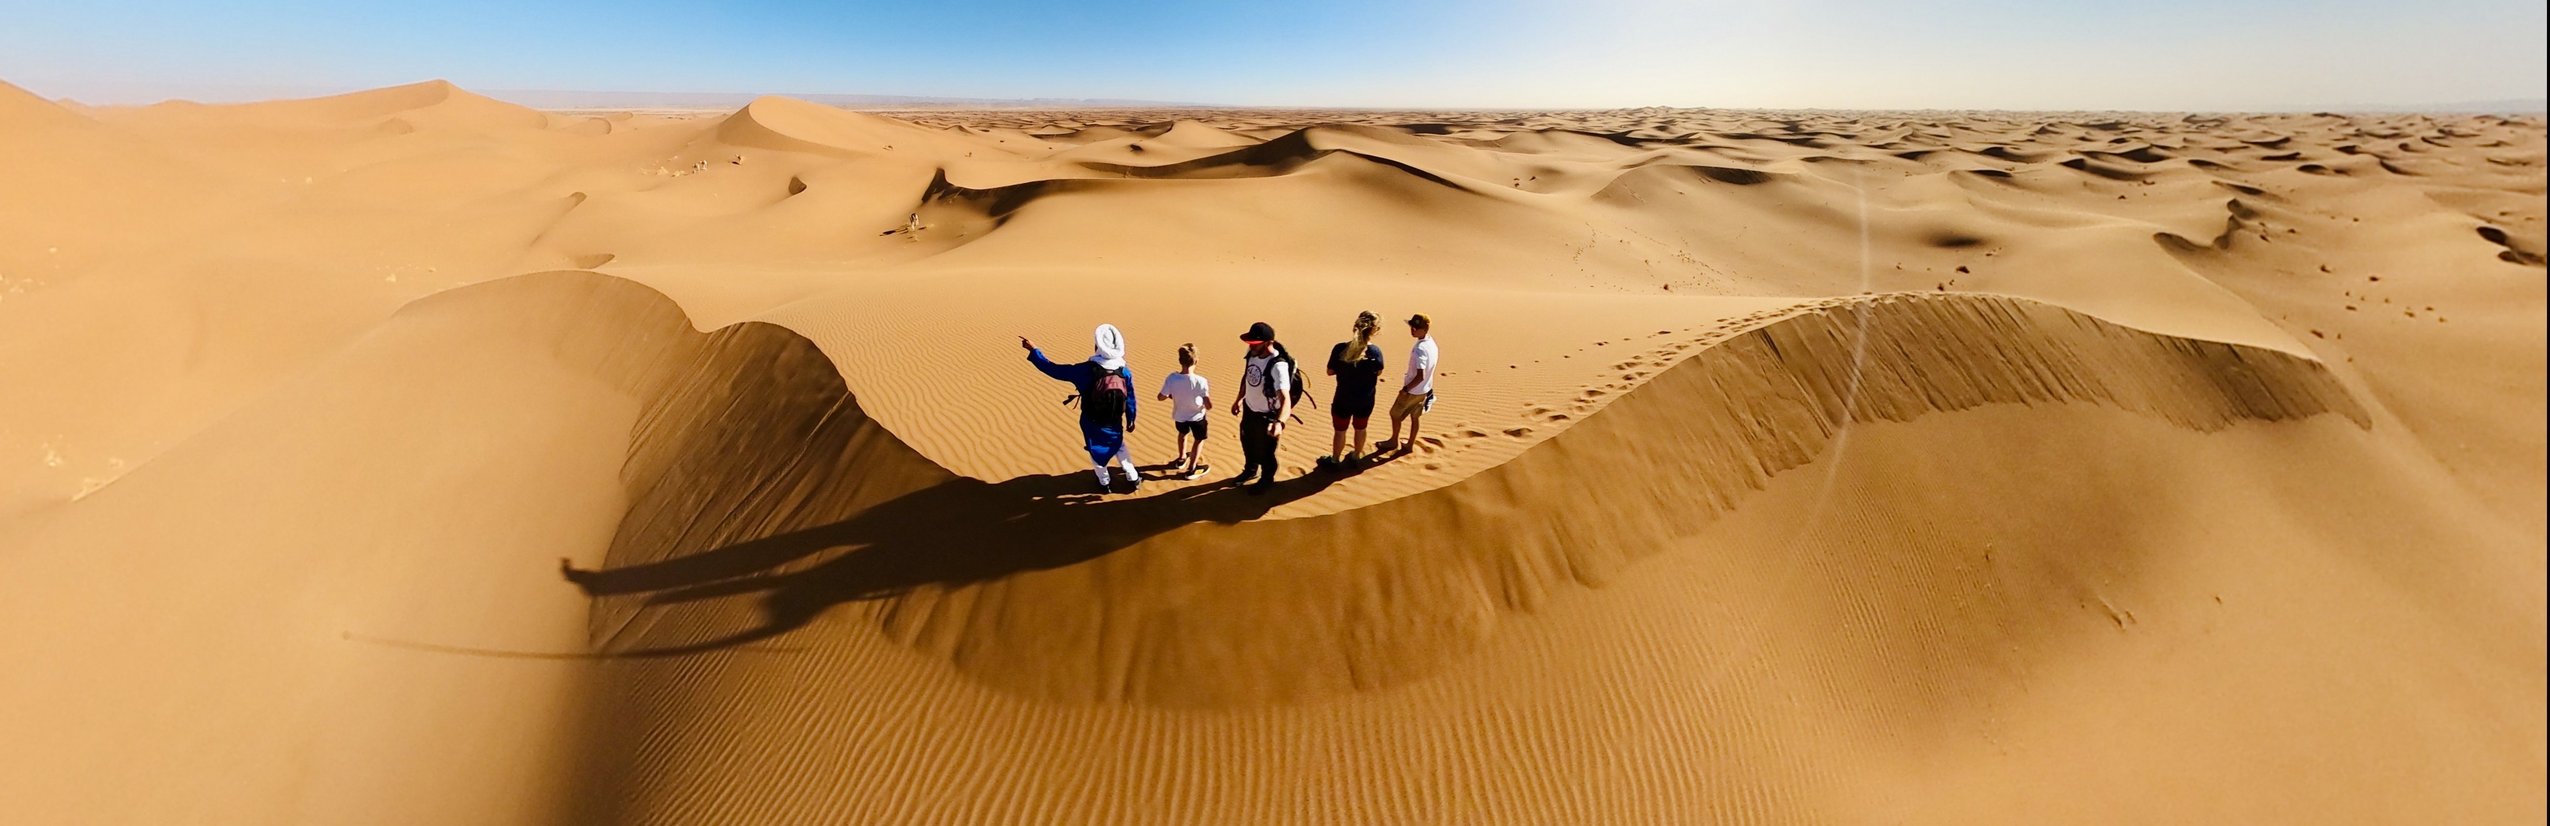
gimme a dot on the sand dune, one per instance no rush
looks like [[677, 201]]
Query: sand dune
[[409, 455], [26, 112]]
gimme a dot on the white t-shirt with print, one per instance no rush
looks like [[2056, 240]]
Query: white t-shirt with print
[[1186, 392], [1421, 362], [1253, 388]]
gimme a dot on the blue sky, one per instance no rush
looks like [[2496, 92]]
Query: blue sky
[[2151, 54]]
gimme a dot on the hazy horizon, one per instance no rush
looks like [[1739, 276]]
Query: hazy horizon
[[584, 99], [2169, 55]]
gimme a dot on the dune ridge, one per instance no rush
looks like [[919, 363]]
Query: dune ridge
[[1756, 403], [22, 109], [1181, 618]]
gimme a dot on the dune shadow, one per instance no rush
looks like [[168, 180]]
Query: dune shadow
[[960, 532]]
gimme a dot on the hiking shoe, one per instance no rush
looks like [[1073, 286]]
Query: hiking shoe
[[1261, 486], [1353, 458], [1326, 462]]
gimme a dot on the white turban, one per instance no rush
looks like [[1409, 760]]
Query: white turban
[[1110, 347]]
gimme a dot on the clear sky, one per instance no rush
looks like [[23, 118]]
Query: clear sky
[[2011, 54]]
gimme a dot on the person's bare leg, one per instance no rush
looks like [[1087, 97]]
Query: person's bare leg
[[1359, 440], [1395, 419], [1337, 446], [1416, 422]]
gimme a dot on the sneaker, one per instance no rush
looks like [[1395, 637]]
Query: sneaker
[[1197, 473], [1261, 486], [1327, 462], [1353, 458], [1106, 486]]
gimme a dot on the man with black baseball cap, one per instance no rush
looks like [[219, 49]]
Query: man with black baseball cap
[[1265, 400]]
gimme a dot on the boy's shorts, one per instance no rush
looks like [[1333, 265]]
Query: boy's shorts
[[1408, 404], [1343, 421], [1197, 428]]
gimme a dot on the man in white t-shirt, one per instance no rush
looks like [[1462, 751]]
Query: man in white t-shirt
[[1416, 386], [1265, 401]]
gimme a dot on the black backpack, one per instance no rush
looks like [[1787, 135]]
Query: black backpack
[[1284, 356], [1105, 401]]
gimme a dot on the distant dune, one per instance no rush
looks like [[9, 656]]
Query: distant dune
[[416, 455]]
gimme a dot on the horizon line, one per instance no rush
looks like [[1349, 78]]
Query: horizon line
[[874, 101]]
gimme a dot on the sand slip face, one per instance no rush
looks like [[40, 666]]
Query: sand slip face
[[1790, 467]]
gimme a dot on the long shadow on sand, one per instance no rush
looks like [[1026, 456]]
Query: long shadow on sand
[[958, 532]]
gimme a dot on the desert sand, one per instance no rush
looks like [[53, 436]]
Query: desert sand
[[411, 456]]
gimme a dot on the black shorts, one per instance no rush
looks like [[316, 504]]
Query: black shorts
[[1197, 428], [1359, 407]]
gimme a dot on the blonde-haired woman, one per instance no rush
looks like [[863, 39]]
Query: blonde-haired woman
[[1356, 363]]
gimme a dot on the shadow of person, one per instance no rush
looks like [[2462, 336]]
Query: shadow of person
[[958, 532]]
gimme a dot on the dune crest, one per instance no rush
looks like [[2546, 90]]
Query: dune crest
[[21, 109], [1719, 425], [792, 125], [436, 101]]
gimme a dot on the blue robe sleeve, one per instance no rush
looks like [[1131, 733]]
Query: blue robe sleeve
[[1057, 372]]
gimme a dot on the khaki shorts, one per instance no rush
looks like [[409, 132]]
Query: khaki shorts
[[1407, 404]]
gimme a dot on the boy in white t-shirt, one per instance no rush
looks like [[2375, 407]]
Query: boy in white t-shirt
[[1416, 389], [1192, 401]]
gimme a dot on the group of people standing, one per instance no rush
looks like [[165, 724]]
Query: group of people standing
[[1271, 386]]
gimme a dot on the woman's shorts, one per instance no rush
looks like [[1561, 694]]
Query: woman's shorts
[[1358, 421], [1197, 428]]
